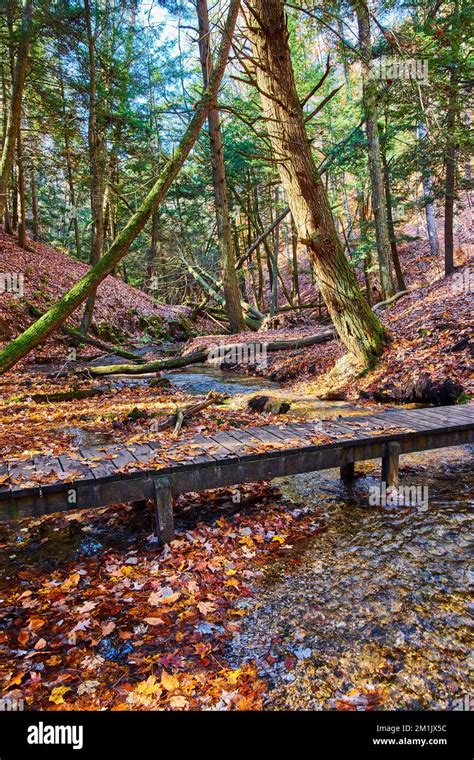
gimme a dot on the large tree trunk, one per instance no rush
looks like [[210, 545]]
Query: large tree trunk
[[379, 208], [95, 158], [48, 323], [224, 229], [352, 317], [14, 116]]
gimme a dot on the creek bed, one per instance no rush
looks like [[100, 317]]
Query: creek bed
[[372, 612]]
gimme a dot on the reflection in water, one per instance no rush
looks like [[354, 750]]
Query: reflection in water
[[372, 612]]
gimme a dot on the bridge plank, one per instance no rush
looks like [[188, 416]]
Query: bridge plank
[[24, 471], [418, 422], [213, 447]]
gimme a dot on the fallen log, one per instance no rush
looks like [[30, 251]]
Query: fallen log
[[198, 357], [96, 342], [72, 395]]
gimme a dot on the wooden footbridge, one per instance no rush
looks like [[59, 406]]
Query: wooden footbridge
[[157, 471]]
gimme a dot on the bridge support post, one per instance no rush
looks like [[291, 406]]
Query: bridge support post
[[163, 510], [347, 472], [390, 461]]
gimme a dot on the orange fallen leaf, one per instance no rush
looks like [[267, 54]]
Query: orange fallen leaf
[[23, 638], [36, 623], [70, 582], [16, 680]]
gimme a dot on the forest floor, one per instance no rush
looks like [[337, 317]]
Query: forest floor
[[94, 615]]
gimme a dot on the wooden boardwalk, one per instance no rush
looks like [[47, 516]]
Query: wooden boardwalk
[[135, 473]]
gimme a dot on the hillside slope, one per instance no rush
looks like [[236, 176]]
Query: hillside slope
[[121, 311]]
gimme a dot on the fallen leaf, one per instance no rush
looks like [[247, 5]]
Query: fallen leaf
[[70, 582], [154, 621], [178, 702], [169, 682], [57, 695]]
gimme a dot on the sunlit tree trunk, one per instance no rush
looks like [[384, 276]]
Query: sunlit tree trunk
[[352, 317]]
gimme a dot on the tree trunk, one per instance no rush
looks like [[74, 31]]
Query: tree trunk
[[21, 191], [427, 193], [450, 180], [369, 96], [47, 324], [95, 158], [34, 206], [224, 229], [355, 323], [390, 224], [67, 154], [14, 116]]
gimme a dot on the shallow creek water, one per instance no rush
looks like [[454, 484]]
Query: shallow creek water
[[373, 611], [202, 378]]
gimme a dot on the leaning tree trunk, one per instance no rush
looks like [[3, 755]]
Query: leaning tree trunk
[[224, 230], [352, 317], [369, 97], [50, 321], [14, 115]]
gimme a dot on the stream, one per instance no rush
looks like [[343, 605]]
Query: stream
[[373, 612], [202, 378]]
